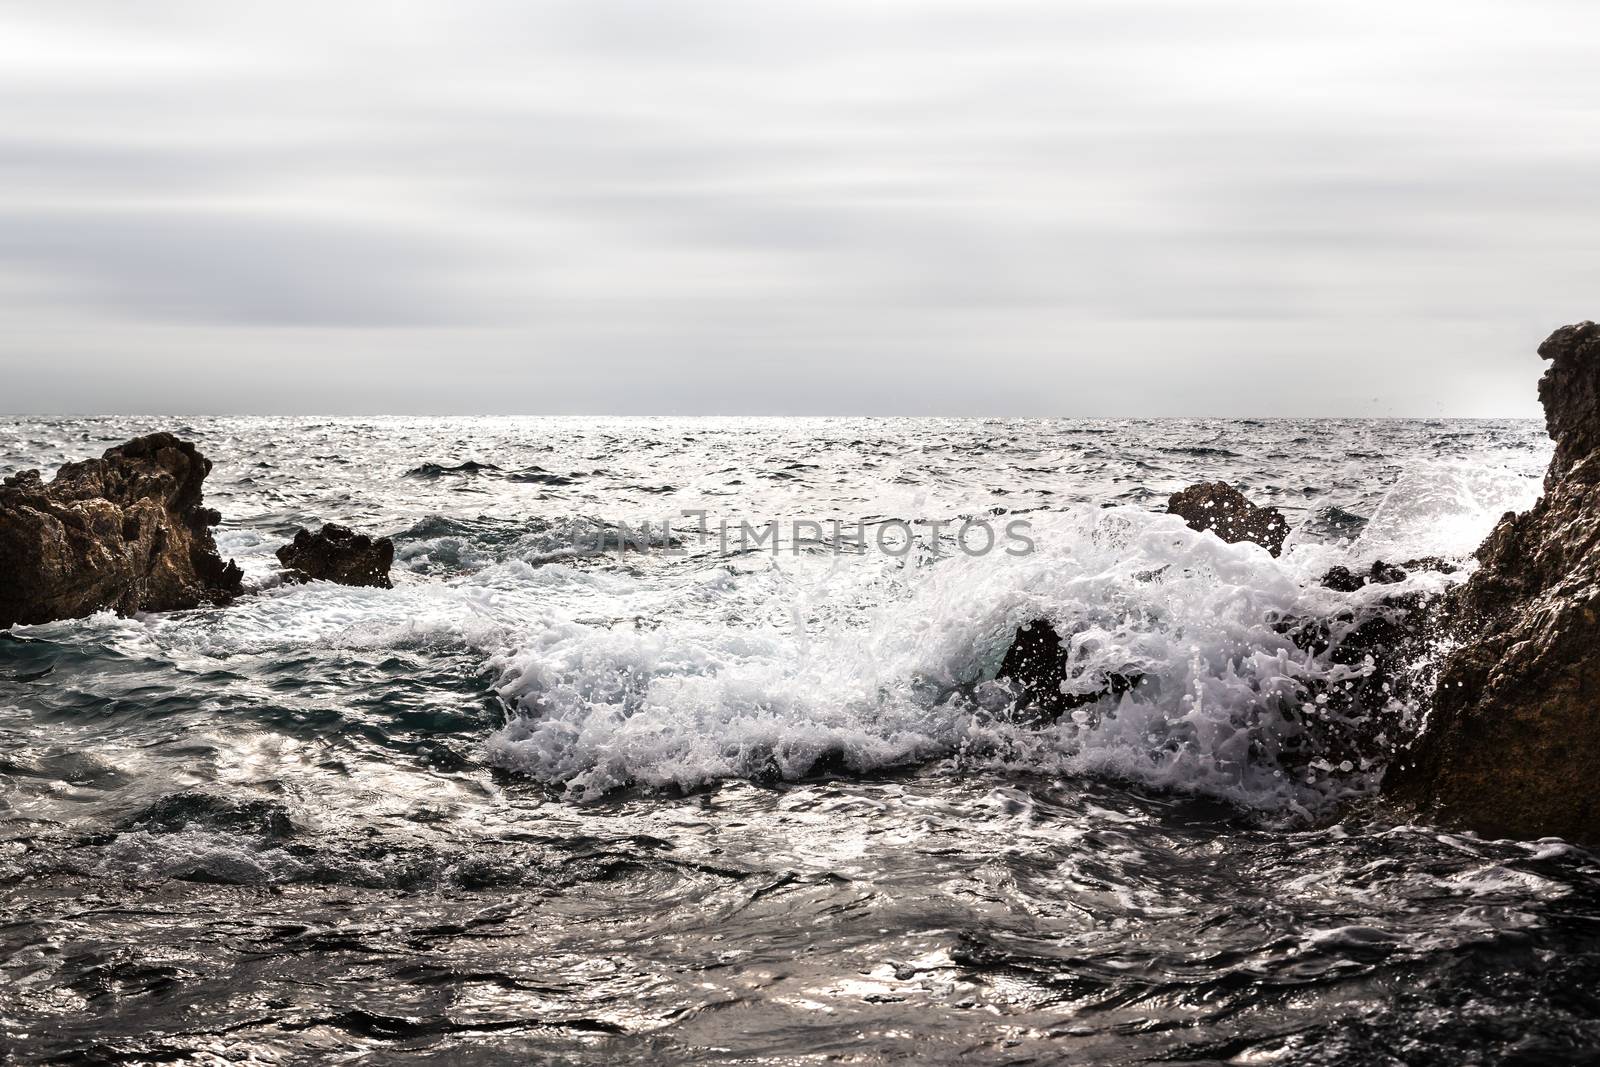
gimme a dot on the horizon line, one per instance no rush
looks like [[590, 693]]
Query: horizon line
[[728, 415]]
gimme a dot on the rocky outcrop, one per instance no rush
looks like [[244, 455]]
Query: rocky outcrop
[[1512, 746], [1037, 666], [438, 470], [1226, 512], [126, 532], [338, 554], [1342, 579]]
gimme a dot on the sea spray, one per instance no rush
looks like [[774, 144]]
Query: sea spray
[[678, 703]]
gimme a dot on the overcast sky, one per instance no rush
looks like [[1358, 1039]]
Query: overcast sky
[[1059, 207]]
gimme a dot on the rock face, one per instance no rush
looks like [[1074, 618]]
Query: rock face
[[1512, 747], [1226, 512], [126, 532], [338, 554]]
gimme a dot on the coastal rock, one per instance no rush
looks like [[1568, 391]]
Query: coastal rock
[[1513, 742], [126, 532], [1037, 665], [437, 470], [1226, 512], [338, 554], [1342, 579], [1361, 717]]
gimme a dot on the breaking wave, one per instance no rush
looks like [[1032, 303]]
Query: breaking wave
[[1222, 710]]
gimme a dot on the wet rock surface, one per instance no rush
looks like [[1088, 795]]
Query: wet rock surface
[[1342, 579], [437, 470], [1383, 645], [126, 532], [1037, 666], [1228, 513], [338, 554], [1513, 744]]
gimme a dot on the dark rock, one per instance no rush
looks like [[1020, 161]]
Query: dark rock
[[435, 470], [1342, 579], [1570, 393], [1385, 574], [126, 532], [338, 554], [1513, 744], [1437, 564], [1226, 512], [1361, 718], [1037, 664]]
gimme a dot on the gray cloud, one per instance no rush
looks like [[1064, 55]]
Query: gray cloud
[[247, 271], [981, 206]]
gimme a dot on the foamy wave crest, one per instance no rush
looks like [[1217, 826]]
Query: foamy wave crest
[[1226, 692], [1446, 508]]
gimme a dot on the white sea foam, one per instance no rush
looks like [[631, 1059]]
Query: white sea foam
[[671, 701]]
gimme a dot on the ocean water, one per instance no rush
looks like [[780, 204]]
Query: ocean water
[[579, 789]]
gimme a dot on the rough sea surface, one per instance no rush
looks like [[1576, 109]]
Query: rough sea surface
[[551, 801]]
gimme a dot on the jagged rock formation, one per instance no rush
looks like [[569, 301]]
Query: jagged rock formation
[[1342, 579], [338, 554], [127, 532], [1226, 512], [1036, 666], [1512, 747]]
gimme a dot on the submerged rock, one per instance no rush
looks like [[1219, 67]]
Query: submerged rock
[[436, 470], [1226, 512], [1513, 744], [338, 554], [197, 809], [126, 532], [1037, 665]]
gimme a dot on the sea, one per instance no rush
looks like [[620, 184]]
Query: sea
[[679, 740]]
